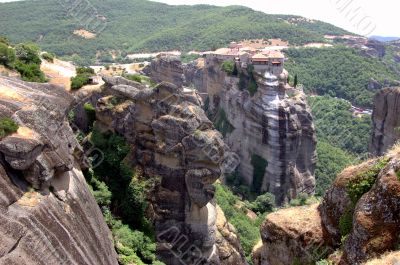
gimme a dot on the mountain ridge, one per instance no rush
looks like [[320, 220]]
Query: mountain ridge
[[132, 27]]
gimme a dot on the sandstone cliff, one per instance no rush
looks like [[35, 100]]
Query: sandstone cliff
[[47, 213], [273, 126], [386, 120], [171, 137], [359, 215]]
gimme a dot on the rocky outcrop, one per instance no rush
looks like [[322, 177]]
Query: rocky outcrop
[[47, 213], [172, 138], [166, 69], [359, 214], [291, 236], [274, 125], [385, 120]]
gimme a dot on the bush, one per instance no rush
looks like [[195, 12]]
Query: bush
[[28, 53], [346, 221], [7, 127], [85, 70], [98, 188], [263, 204], [48, 57], [30, 72], [364, 181], [79, 81], [7, 55], [228, 67], [301, 200], [136, 78]]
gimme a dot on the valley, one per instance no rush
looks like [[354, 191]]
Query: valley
[[170, 135]]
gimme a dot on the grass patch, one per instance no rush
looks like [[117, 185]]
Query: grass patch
[[7, 127], [398, 175]]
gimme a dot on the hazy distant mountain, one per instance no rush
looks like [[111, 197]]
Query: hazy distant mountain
[[384, 39]]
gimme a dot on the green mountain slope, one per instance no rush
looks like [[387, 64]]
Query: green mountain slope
[[339, 71], [137, 25]]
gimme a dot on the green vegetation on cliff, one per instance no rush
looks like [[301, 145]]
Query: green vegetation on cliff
[[121, 193], [236, 213], [23, 58], [338, 71], [136, 25], [7, 126], [82, 77]]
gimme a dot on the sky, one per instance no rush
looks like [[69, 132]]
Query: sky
[[365, 17]]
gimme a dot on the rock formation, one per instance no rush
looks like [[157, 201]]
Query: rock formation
[[274, 125], [172, 138], [47, 213], [359, 214], [385, 120]]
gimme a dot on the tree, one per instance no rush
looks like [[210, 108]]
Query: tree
[[28, 53], [295, 81], [7, 55], [264, 203]]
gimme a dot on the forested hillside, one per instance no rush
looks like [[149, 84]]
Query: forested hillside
[[342, 138], [339, 71], [136, 25]]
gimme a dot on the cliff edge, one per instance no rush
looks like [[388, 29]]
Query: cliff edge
[[47, 213]]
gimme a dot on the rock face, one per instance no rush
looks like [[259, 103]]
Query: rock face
[[172, 138], [386, 120], [274, 126], [166, 69], [47, 213], [359, 214]]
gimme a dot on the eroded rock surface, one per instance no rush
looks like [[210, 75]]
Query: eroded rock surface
[[47, 213], [172, 138], [386, 120]]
